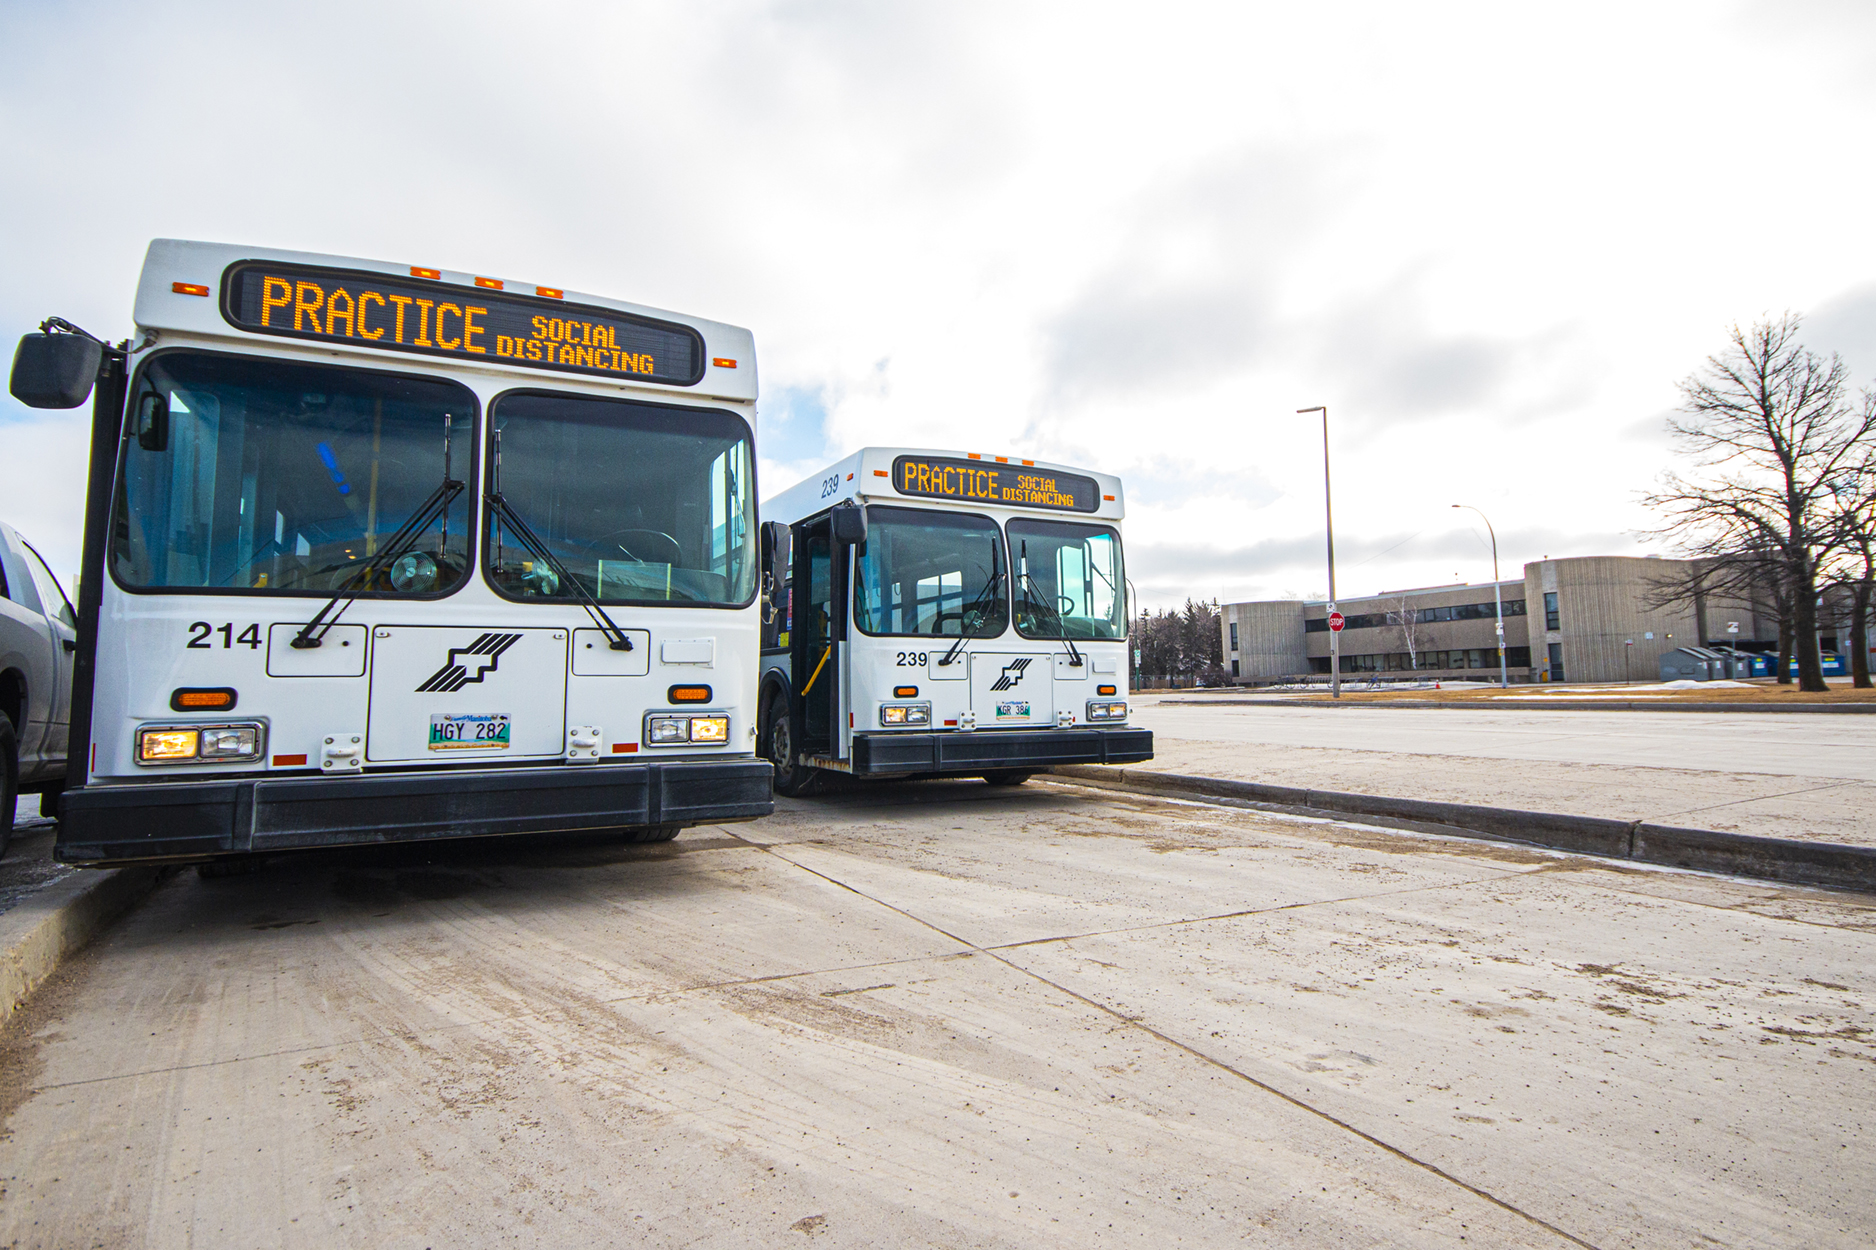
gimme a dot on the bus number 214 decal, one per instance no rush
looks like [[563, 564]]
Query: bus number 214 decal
[[913, 659], [200, 632]]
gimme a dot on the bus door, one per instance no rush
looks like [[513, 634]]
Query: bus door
[[816, 631]]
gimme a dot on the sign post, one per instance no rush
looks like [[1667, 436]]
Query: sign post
[[1328, 518]]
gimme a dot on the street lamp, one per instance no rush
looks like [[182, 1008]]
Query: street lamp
[[1498, 596], [1328, 512]]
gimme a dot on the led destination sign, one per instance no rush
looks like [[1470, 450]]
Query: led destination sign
[[468, 323], [1018, 486]]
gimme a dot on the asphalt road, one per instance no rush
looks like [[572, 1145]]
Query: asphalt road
[[1788, 745], [1806, 776], [941, 1014]]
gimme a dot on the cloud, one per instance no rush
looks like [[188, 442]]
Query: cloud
[[1846, 324], [1190, 289], [1395, 365]]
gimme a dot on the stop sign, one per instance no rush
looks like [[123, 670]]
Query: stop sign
[[1336, 621]]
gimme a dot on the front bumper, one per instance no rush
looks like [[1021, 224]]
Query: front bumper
[[150, 821], [900, 753]]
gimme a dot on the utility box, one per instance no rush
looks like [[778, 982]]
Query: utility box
[[1698, 664]]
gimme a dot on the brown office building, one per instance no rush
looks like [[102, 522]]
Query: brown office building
[[1584, 619]]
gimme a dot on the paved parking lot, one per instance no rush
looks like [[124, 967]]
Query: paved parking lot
[[943, 1014]]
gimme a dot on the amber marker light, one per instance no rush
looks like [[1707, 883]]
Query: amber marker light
[[217, 699], [881, 473], [688, 694], [489, 284], [905, 692], [1109, 498], [418, 271], [723, 362], [188, 288], [1105, 690], [550, 292]]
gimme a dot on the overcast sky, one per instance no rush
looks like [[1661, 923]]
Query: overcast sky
[[1489, 237]]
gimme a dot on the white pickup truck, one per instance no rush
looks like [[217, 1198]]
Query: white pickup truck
[[38, 634]]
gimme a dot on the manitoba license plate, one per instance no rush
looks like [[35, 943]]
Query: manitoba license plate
[[471, 731], [1020, 708]]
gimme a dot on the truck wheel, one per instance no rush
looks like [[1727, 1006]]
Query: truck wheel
[[9, 781], [791, 777], [652, 833], [1007, 777]]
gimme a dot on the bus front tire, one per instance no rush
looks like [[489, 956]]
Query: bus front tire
[[652, 833], [792, 778], [1007, 777]]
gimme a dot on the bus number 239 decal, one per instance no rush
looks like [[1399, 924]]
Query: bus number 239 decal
[[200, 633], [913, 659]]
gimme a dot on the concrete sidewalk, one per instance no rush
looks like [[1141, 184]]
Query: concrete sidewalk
[[1446, 758]]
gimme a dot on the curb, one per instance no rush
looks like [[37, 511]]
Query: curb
[[1826, 864], [1529, 705], [38, 933]]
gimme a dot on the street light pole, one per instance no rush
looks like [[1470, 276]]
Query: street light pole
[[1328, 512], [1498, 597]]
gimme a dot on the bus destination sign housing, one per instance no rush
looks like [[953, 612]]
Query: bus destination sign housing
[[1009, 485], [465, 323]]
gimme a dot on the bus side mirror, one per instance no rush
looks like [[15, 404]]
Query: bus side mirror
[[849, 525], [768, 548], [54, 370], [152, 422]]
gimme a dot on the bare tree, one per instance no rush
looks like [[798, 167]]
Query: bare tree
[[1855, 498], [1772, 427], [1406, 618]]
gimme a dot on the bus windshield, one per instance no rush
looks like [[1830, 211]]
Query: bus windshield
[[640, 503], [930, 573], [261, 475], [1069, 580]]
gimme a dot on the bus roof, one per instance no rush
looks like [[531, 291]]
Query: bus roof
[[969, 480], [378, 309]]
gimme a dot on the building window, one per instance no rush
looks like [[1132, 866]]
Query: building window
[[1550, 611], [1234, 663], [1234, 638], [1556, 656], [1518, 657]]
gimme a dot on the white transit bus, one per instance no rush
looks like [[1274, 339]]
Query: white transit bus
[[945, 614], [380, 552]]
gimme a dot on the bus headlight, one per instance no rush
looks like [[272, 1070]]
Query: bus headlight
[[896, 714], [200, 744], [166, 745], [1101, 710], [708, 729], [232, 742]]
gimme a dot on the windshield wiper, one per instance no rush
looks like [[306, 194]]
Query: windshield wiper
[[978, 604], [437, 505], [1041, 610], [615, 637]]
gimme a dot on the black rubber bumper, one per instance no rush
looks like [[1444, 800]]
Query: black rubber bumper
[[891, 754], [171, 820]]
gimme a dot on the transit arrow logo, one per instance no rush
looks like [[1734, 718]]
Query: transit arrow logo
[[1012, 673], [470, 664]]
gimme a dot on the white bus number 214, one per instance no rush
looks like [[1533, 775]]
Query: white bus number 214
[[200, 632]]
